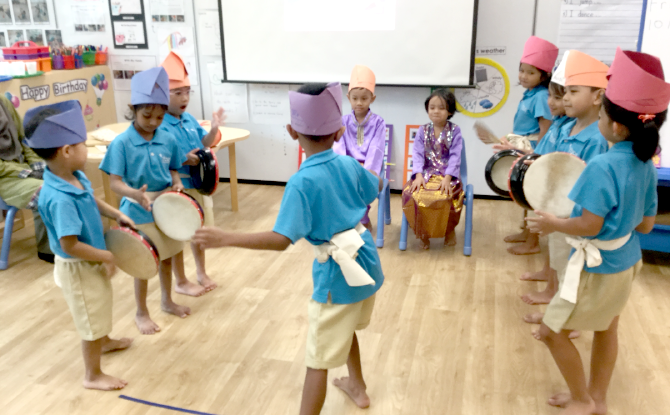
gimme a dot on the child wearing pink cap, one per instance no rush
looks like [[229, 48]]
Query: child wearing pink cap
[[615, 197], [533, 116], [323, 203], [365, 134]]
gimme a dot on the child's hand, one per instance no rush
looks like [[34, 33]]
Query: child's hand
[[191, 158], [505, 145], [178, 187], [142, 198], [543, 224], [210, 237], [417, 183], [218, 118], [124, 220], [445, 186]]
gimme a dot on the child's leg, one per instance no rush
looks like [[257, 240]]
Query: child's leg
[[142, 318], [521, 236], [603, 357], [94, 378], [530, 246], [183, 285], [542, 275], [543, 297], [203, 278], [314, 391], [569, 362], [354, 385], [112, 345], [450, 239], [169, 306]]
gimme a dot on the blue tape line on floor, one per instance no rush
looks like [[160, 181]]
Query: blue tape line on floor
[[174, 408]]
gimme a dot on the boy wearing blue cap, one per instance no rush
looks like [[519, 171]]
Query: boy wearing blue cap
[[142, 162], [83, 265]]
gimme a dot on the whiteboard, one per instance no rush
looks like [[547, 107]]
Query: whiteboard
[[297, 41]]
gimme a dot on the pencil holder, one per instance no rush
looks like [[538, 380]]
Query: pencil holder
[[68, 62], [101, 58], [57, 62], [78, 61], [89, 58]]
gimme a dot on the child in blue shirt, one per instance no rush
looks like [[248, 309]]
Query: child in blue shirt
[[83, 265], [142, 162], [324, 203], [191, 137], [615, 197]]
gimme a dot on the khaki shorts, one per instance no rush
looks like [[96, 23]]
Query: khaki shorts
[[559, 251], [206, 203], [88, 293], [331, 331], [167, 247]]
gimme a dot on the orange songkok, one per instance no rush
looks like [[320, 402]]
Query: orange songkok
[[584, 70], [362, 77], [174, 66]]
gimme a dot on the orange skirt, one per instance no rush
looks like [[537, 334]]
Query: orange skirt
[[431, 213]]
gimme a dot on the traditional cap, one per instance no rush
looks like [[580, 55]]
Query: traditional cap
[[150, 87], [176, 70], [65, 128], [540, 53], [637, 83], [558, 76], [584, 70], [317, 114], [362, 77]]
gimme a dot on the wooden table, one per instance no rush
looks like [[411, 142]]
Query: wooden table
[[229, 136]]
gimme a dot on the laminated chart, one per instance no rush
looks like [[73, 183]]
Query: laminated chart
[[490, 91]]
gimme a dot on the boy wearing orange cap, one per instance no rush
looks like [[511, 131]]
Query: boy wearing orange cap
[[191, 137], [365, 135]]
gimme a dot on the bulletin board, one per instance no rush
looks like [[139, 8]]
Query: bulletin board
[[88, 85]]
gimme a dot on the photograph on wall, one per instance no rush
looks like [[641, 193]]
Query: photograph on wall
[[3, 40], [35, 35], [40, 11], [88, 15], [121, 7], [129, 35], [21, 12], [167, 10], [54, 38], [15, 36], [5, 12], [125, 67]]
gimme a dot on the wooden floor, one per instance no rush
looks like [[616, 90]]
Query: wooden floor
[[446, 335]]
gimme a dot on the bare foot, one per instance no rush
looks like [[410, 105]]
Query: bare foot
[[450, 240], [207, 283], [537, 297], [533, 318], [111, 345], [560, 400], [524, 249], [579, 408], [145, 324], [188, 288], [534, 276], [358, 395], [575, 335], [425, 244], [517, 237], [105, 383], [176, 309]]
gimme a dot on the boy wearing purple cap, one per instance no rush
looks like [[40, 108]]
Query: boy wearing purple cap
[[324, 203], [83, 265]]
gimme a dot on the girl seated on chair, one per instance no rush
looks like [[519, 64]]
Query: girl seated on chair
[[433, 198]]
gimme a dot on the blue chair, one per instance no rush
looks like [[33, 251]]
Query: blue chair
[[467, 202], [7, 237], [383, 212]]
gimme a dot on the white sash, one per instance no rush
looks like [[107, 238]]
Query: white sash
[[585, 250], [344, 249]]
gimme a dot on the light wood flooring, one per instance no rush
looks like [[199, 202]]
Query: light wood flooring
[[446, 335]]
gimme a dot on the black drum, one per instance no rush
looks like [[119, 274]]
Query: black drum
[[516, 177], [497, 170], [205, 175]]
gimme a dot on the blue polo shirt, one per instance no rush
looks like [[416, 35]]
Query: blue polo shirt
[[620, 188], [67, 211], [141, 162], [533, 105], [328, 195], [585, 145], [548, 143], [189, 134]]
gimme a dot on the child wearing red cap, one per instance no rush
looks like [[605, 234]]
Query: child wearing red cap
[[615, 197]]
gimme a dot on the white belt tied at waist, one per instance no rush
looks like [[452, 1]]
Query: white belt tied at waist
[[152, 196], [67, 260], [585, 250], [344, 249]]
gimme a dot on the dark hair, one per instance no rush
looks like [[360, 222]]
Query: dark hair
[[314, 89], [446, 96], [556, 89], [46, 153], [132, 114], [643, 134]]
